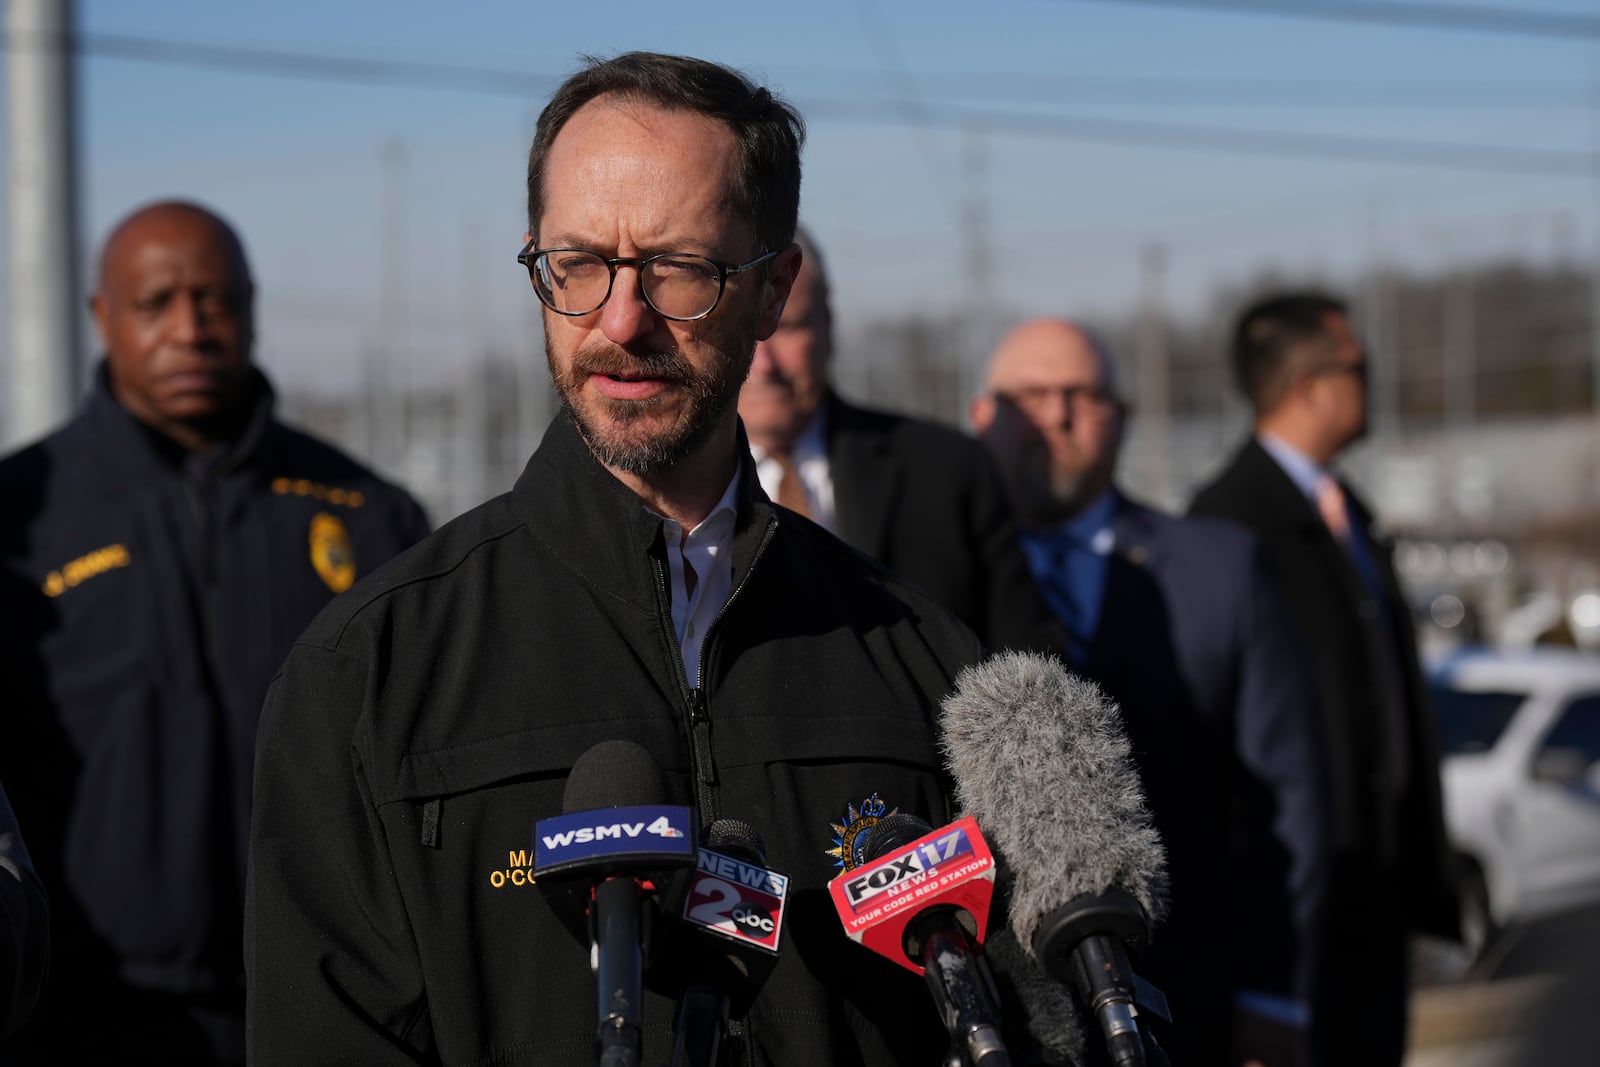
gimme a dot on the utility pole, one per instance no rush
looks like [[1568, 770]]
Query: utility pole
[[1458, 332], [1153, 371], [978, 337], [476, 410], [1594, 274], [1460, 347], [388, 378], [45, 373], [1385, 361]]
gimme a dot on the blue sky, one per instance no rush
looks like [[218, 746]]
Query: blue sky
[[296, 162]]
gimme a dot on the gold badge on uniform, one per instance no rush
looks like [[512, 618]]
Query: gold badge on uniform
[[856, 821], [331, 553]]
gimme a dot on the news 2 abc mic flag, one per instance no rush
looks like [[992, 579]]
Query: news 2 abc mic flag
[[737, 900]]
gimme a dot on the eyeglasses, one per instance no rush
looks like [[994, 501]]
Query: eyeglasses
[[1035, 399], [677, 285]]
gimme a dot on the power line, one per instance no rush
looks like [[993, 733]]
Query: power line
[[1167, 91], [1162, 90], [1142, 133], [278, 63], [1451, 156], [910, 105], [1466, 17]]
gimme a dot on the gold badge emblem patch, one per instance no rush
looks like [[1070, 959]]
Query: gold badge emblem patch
[[331, 553], [856, 821]]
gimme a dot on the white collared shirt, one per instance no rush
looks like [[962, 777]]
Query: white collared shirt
[[1302, 470], [708, 549], [810, 459]]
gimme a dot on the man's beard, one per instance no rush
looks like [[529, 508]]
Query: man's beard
[[1066, 487], [1045, 491], [605, 424]]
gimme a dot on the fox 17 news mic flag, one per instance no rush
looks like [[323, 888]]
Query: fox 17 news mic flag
[[1040, 759], [612, 845], [921, 897]]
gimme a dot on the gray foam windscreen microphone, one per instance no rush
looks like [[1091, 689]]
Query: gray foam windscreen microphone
[[1040, 759]]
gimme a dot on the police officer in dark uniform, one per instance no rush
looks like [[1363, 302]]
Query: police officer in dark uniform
[[160, 555]]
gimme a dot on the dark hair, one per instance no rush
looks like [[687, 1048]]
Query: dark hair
[[1268, 337], [768, 131]]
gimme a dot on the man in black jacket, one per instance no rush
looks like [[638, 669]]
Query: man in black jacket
[[160, 554], [920, 498], [636, 584], [1304, 371]]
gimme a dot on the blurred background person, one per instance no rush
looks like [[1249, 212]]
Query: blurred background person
[[1298, 362], [162, 552], [1178, 621], [24, 926], [921, 498]]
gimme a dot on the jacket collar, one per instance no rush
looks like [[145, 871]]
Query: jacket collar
[[114, 430], [1280, 498], [603, 531]]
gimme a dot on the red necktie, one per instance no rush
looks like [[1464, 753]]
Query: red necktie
[[1331, 506]]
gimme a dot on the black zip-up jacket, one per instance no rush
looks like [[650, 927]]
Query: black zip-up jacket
[[432, 714], [148, 599]]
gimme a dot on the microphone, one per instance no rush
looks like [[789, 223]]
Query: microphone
[[613, 846], [921, 897], [737, 900], [1039, 757]]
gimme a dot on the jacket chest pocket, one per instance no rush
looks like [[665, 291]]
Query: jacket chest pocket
[[492, 940]]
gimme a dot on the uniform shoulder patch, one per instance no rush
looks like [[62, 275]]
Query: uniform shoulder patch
[[331, 552], [856, 819], [80, 570], [348, 498]]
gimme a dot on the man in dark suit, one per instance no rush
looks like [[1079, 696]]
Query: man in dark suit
[[1299, 363], [921, 498], [1176, 619]]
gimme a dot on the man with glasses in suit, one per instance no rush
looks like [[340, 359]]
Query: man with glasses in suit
[[921, 498], [1177, 620]]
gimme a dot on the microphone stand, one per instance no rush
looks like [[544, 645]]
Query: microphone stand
[[702, 1020], [962, 987], [619, 972]]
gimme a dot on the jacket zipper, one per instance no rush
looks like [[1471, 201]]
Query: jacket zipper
[[701, 762], [202, 495], [696, 708]]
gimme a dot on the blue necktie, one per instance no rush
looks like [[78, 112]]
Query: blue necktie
[[1061, 563]]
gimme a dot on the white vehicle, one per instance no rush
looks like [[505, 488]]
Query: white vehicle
[[1520, 733]]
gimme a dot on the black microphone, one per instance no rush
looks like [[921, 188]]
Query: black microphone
[[921, 897], [1040, 758], [736, 906], [614, 845]]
